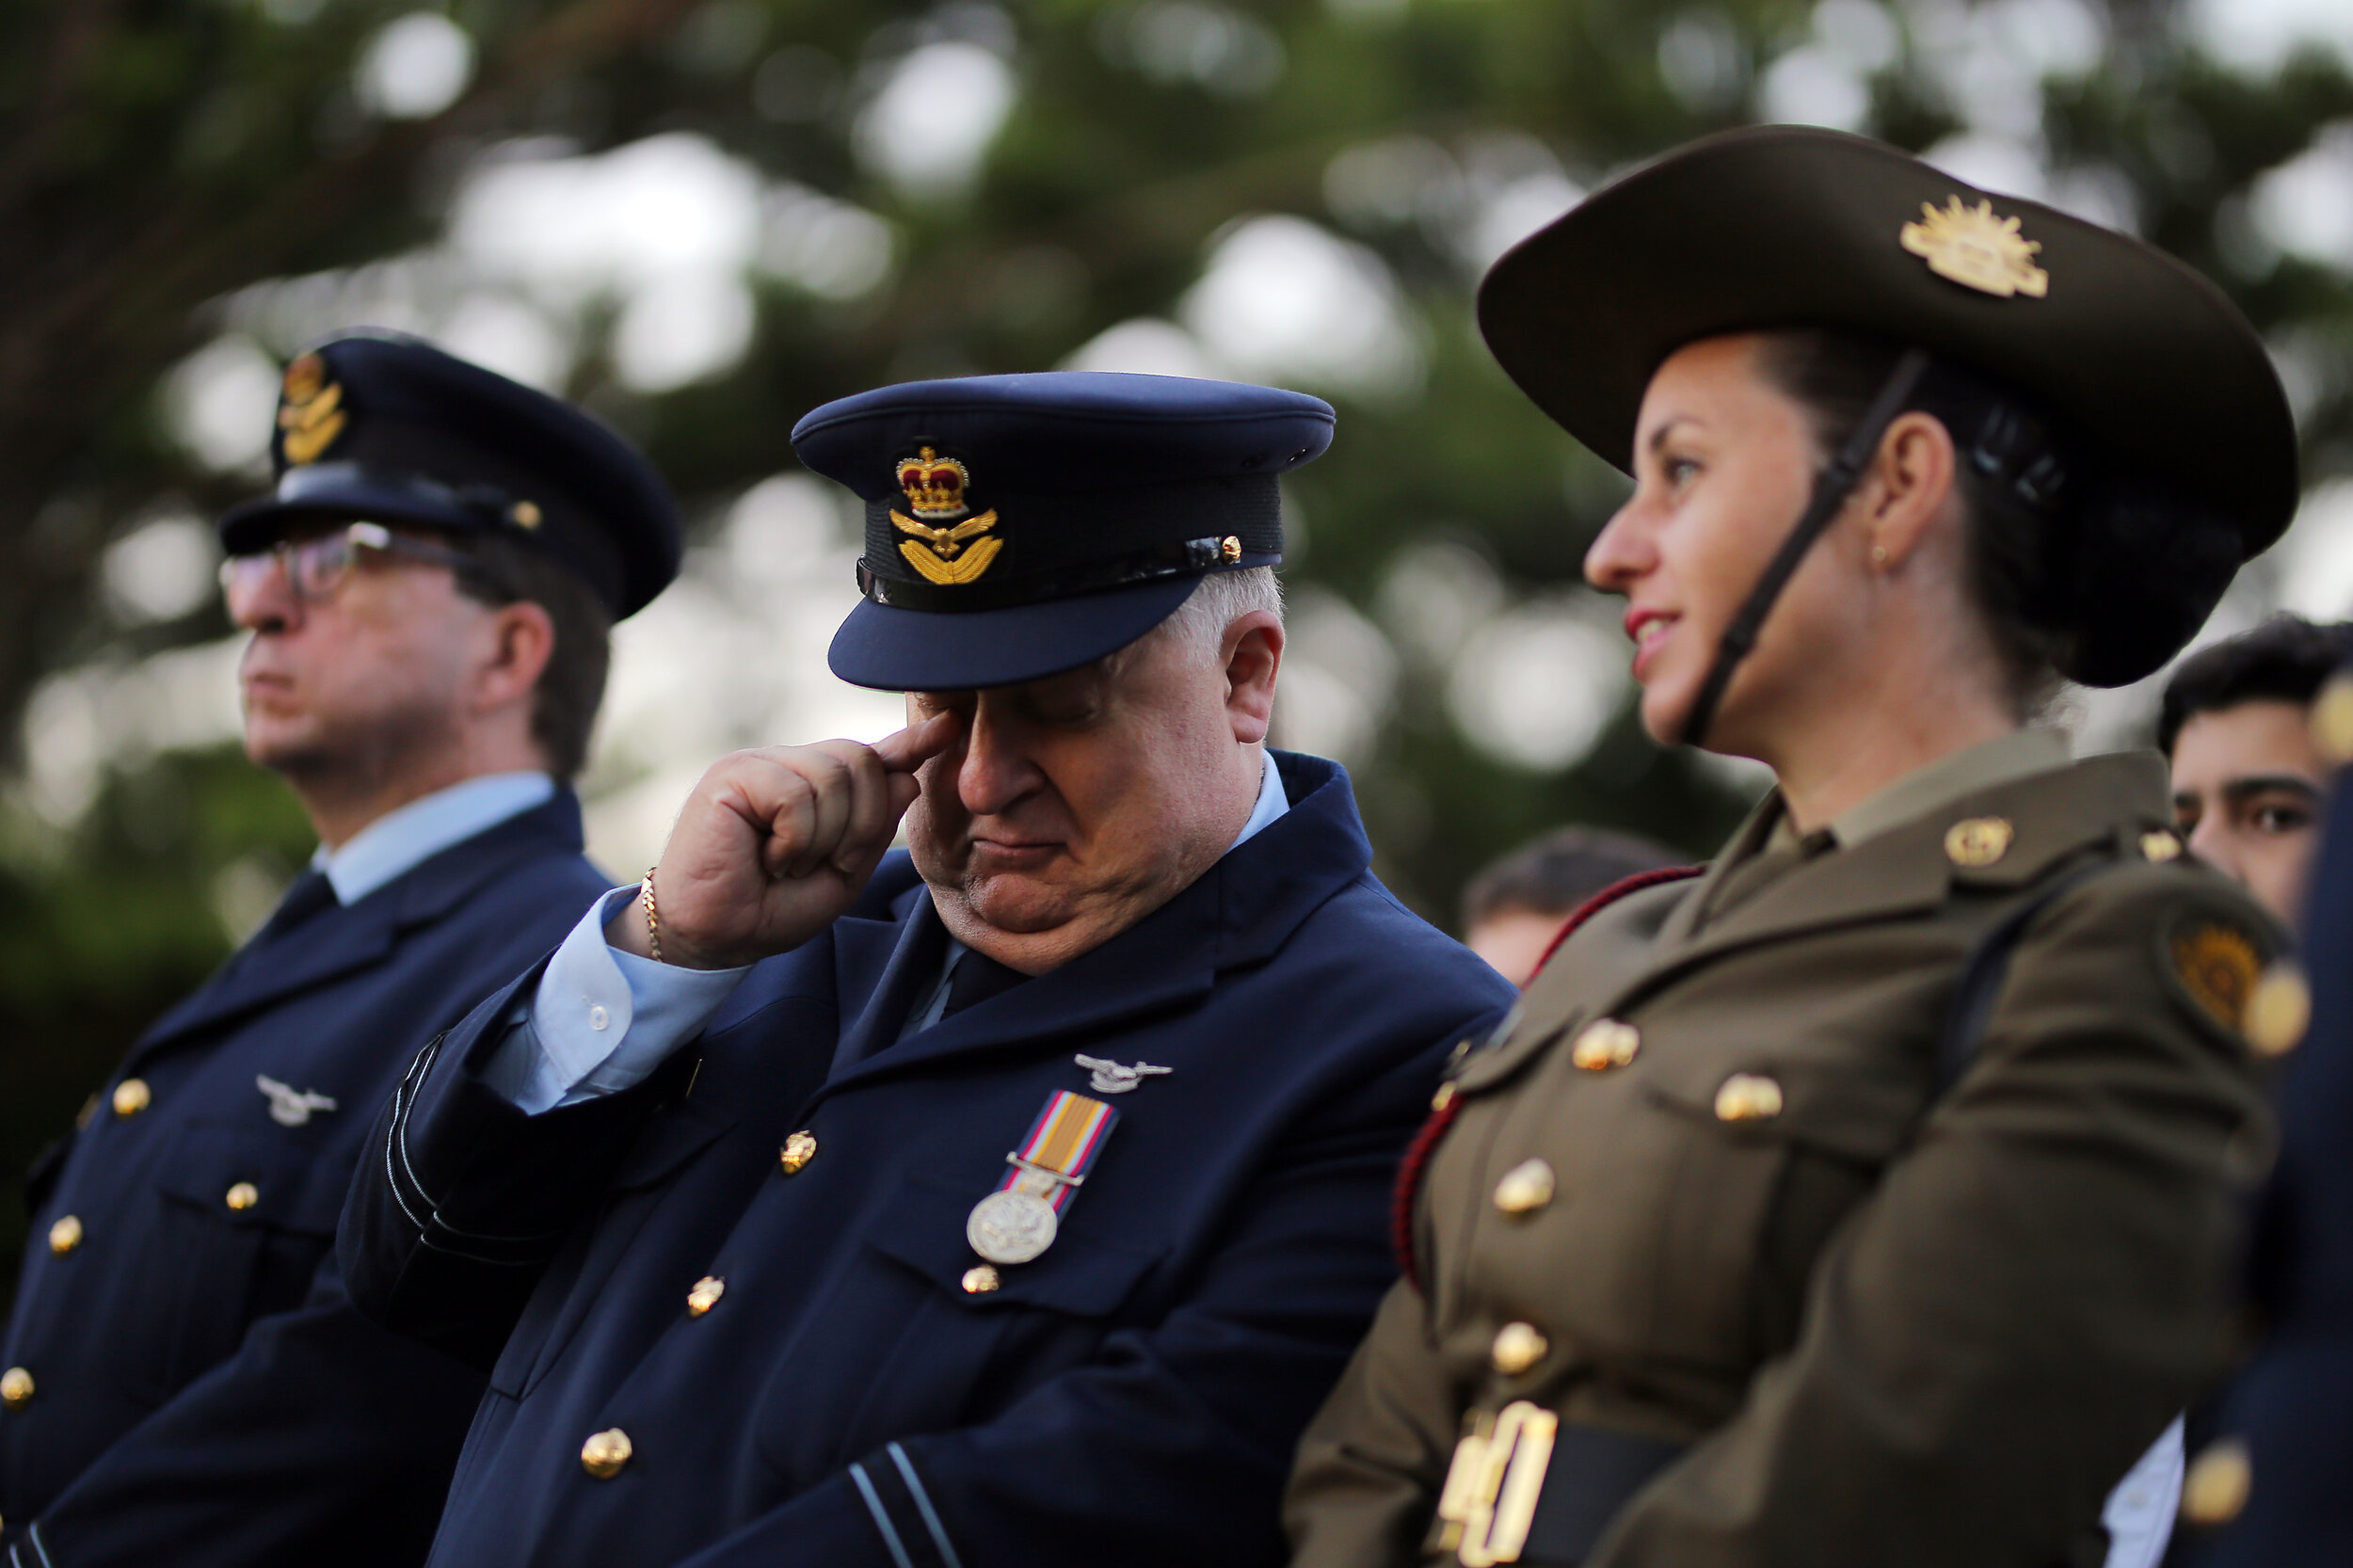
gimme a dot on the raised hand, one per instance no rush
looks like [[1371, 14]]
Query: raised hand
[[776, 842]]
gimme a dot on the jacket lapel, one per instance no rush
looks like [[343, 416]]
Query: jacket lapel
[[1904, 870], [1238, 911], [888, 964], [1162, 961], [343, 940]]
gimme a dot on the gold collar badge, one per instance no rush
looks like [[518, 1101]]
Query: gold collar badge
[[310, 411], [945, 549], [1977, 249]]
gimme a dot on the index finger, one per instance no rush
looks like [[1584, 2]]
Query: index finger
[[905, 750]]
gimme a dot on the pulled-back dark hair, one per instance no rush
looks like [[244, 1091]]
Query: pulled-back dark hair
[[2074, 567], [506, 571], [2286, 659]]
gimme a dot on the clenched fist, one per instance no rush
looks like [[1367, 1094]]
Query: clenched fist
[[774, 844]]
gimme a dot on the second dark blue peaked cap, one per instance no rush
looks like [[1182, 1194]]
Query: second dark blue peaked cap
[[1018, 526], [382, 427]]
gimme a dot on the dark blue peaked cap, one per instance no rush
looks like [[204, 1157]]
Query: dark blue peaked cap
[[1021, 526], [383, 427]]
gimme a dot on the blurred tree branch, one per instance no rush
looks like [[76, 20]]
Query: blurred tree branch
[[113, 234]]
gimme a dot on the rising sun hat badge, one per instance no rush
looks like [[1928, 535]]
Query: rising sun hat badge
[[1975, 249]]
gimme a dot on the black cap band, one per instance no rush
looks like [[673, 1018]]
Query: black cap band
[[330, 481], [1227, 523], [1168, 560]]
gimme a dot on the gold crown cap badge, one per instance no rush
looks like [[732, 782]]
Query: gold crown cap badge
[[1977, 249], [948, 547], [310, 411]]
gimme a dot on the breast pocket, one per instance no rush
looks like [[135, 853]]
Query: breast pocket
[[246, 1216], [1750, 1161], [924, 1335]]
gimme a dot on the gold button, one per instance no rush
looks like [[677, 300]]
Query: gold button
[[980, 1281], [2278, 1010], [1525, 1188], [1748, 1098], [1604, 1043], [798, 1151], [705, 1295], [1976, 843], [2161, 845], [2333, 721], [525, 513], [243, 1196], [16, 1387], [132, 1097], [2216, 1488], [1444, 1097], [605, 1452], [1518, 1348], [65, 1236]]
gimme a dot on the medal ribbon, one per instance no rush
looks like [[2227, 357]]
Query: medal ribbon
[[1064, 1142]]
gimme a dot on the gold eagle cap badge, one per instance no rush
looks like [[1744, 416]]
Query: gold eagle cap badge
[[310, 411], [1975, 249], [949, 547]]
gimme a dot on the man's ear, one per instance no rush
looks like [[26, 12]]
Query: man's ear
[[1252, 653], [1910, 484], [522, 640]]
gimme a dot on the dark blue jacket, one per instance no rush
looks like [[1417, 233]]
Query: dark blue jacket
[[204, 1392], [2292, 1407], [1131, 1397]]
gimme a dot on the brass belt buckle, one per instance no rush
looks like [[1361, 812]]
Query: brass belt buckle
[[1489, 1499]]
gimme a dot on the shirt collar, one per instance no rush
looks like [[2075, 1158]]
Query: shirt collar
[[1274, 800], [406, 836], [1987, 765]]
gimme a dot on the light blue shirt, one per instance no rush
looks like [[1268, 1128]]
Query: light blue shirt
[[603, 1018], [406, 836]]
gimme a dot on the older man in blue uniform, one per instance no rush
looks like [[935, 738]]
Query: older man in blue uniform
[[1011, 1199], [428, 589]]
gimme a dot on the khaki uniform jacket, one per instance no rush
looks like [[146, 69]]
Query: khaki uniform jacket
[[1894, 1331]]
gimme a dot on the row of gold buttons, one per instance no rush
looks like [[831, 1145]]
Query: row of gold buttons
[[607, 1453]]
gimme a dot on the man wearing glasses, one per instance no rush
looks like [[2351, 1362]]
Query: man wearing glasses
[[428, 590]]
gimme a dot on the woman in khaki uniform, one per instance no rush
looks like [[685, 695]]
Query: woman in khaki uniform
[[1867, 1199]]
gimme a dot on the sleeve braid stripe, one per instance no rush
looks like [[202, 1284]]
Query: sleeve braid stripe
[[923, 1504], [882, 1518]]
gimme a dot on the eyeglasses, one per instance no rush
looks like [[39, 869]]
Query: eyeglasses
[[317, 567]]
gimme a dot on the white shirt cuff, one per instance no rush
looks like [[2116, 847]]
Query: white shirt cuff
[[602, 1019]]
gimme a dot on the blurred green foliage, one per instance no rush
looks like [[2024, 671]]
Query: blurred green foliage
[[156, 155]]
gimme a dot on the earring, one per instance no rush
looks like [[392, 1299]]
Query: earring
[[1879, 555]]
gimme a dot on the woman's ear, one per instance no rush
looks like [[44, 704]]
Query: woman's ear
[[1906, 491], [1252, 651]]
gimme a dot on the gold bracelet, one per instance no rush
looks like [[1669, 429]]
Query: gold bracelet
[[653, 920]]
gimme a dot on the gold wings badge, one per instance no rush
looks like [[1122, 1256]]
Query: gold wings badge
[[948, 548]]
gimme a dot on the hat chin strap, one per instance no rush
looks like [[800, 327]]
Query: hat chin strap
[[1830, 494]]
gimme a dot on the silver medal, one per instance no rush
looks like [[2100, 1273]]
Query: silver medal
[[1012, 1226]]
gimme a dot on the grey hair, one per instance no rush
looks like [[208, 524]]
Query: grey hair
[[1220, 599]]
